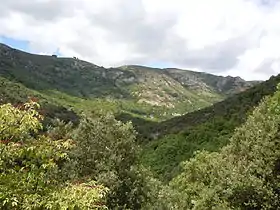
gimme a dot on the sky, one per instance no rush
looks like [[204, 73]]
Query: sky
[[223, 37]]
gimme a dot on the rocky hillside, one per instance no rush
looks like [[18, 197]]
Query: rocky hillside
[[234, 108], [209, 82], [137, 90]]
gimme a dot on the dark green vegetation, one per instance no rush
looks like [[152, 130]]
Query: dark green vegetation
[[213, 158], [88, 167], [242, 175], [209, 128]]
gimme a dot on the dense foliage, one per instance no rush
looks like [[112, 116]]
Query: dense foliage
[[107, 152], [242, 175], [165, 154], [208, 129], [94, 165], [36, 170]]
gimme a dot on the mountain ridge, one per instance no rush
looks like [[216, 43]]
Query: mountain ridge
[[141, 91], [245, 101]]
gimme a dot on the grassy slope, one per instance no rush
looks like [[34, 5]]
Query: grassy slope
[[16, 93]]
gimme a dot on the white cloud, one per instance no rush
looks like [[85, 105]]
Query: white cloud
[[236, 37]]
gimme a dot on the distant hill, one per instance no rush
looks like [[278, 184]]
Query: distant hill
[[236, 106], [134, 91], [203, 81]]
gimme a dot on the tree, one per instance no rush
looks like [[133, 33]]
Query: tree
[[34, 168], [106, 152], [242, 175]]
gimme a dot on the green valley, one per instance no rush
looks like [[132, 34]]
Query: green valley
[[74, 135]]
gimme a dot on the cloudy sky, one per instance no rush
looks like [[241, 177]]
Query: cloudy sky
[[224, 37]]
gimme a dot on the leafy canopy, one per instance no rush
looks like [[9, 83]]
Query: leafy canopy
[[36, 171], [242, 175], [106, 151]]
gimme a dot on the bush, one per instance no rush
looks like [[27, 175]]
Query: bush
[[107, 152]]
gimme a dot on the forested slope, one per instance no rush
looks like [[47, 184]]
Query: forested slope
[[175, 140]]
